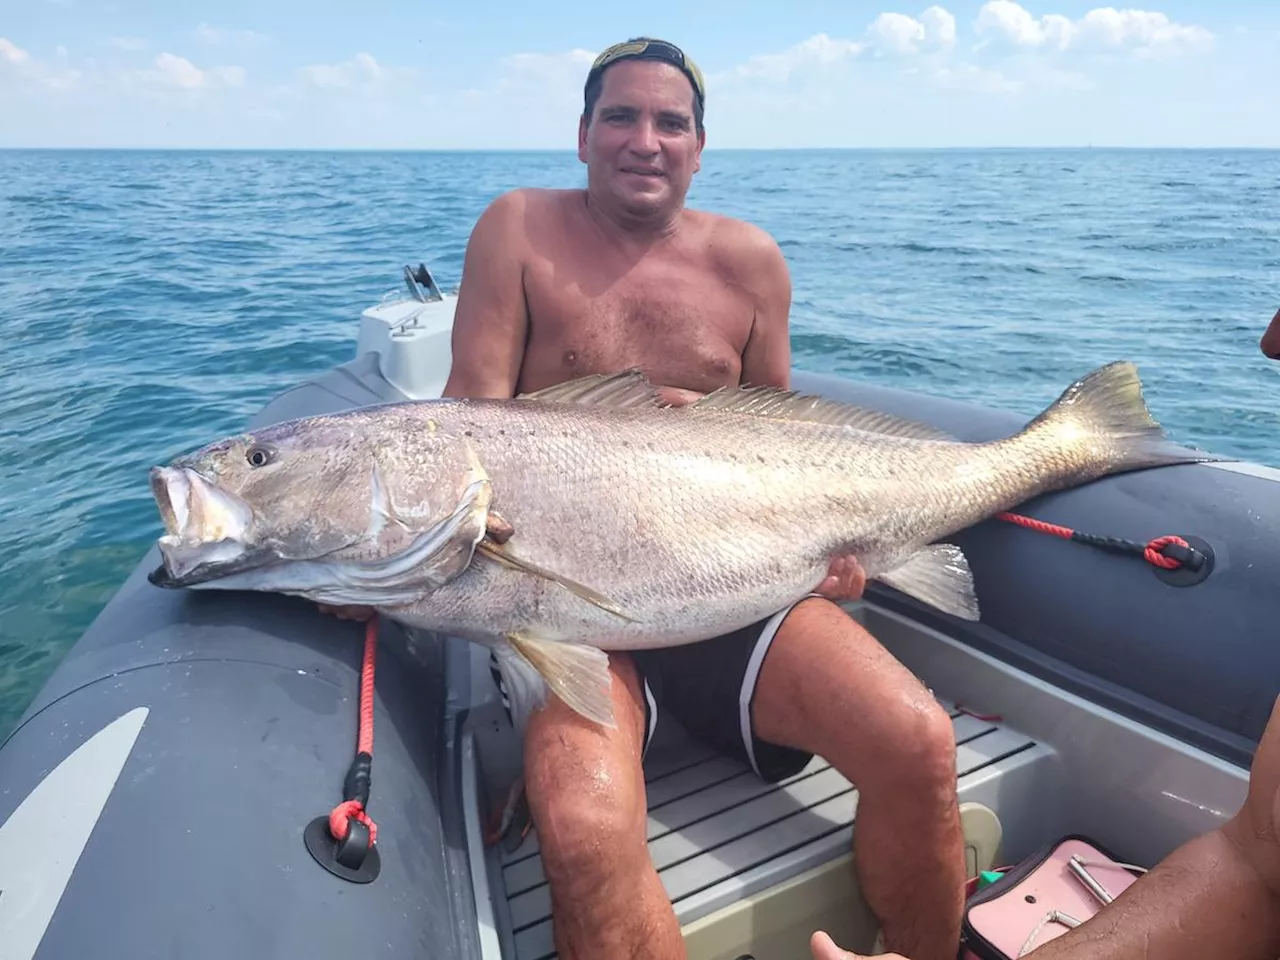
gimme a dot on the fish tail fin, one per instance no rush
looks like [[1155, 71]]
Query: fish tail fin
[[1103, 417]]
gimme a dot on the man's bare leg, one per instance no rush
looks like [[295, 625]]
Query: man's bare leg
[[585, 786], [828, 687]]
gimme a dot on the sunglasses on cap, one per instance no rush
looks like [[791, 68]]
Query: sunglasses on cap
[[646, 48]]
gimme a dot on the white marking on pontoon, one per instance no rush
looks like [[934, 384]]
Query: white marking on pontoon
[[486, 923], [1261, 471], [41, 842]]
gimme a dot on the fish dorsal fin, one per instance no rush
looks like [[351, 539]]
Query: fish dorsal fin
[[778, 404], [631, 388]]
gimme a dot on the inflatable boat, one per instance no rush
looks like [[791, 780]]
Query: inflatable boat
[[209, 776]]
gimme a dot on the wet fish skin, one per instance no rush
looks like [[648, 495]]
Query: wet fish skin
[[689, 522]]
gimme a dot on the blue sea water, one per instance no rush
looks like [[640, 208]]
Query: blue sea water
[[152, 300]]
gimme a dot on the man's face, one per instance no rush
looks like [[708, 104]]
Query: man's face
[[642, 146], [1271, 339]]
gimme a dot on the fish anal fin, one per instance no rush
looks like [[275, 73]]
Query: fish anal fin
[[938, 575], [576, 673], [501, 554], [630, 388], [777, 404]]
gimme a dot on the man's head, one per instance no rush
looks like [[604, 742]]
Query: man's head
[[641, 132], [1271, 338]]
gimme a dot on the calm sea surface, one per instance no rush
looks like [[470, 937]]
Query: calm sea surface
[[151, 300]]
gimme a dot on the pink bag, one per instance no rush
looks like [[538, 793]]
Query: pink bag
[[1063, 885]]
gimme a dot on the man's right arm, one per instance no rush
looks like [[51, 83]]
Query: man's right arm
[[491, 322]]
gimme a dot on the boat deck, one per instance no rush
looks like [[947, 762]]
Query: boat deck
[[718, 833]]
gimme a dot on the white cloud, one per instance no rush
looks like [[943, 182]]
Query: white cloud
[[174, 71], [818, 50], [971, 78], [11, 53], [1013, 23], [1103, 28], [897, 33], [219, 37], [179, 71], [553, 75], [19, 67], [907, 76], [360, 72], [574, 62], [127, 44], [902, 34], [940, 25], [1111, 28], [533, 99], [889, 34]]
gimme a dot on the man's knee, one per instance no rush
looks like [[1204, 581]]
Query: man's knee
[[837, 692], [922, 749]]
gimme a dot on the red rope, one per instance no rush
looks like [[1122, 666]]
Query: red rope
[[365, 742], [1152, 551], [340, 818], [1031, 523], [358, 778]]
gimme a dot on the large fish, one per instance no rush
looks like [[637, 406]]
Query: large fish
[[590, 517]]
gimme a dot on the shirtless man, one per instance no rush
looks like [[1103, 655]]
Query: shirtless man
[[1217, 896], [561, 284]]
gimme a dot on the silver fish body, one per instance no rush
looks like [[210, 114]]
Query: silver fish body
[[624, 524]]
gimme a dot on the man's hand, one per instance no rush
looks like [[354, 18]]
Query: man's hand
[[824, 948], [348, 612], [845, 580], [677, 396]]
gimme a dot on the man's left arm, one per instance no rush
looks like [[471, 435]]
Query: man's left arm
[[766, 361]]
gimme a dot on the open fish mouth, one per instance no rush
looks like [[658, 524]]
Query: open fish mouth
[[206, 528], [172, 492]]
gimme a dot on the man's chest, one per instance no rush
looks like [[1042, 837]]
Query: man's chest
[[683, 326]]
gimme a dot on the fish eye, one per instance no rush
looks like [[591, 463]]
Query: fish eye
[[257, 457]]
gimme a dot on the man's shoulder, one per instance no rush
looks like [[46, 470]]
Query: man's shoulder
[[531, 201], [520, 219], [737, 245]]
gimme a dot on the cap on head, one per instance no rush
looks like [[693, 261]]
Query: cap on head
[[645, 48]]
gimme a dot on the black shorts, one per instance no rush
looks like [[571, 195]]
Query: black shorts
[[708, 688]]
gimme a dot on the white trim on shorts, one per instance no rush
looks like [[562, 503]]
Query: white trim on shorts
[[752, 676]]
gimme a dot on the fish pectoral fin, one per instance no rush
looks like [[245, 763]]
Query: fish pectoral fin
[[574, 672], [938, 575], [499, 553]]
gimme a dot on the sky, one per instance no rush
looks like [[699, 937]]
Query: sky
[[496, 74]]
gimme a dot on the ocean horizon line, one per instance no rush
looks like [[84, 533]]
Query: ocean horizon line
[[710, 149]]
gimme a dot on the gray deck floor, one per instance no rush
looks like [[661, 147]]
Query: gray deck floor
[[716, 831]]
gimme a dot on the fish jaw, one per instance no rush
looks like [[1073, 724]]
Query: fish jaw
[[230, 558], [208, 531]]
